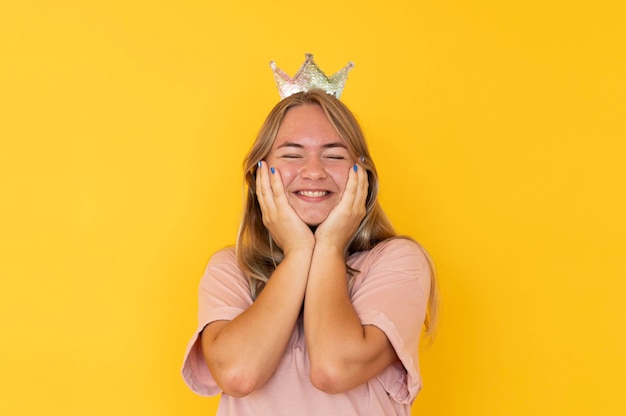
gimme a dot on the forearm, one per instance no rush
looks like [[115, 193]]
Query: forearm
[[343, 352], [242, 354], [329, 316]]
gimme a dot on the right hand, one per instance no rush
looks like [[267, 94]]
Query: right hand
[[286, 227]]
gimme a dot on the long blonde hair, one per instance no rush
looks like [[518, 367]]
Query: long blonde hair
[[257, 254]]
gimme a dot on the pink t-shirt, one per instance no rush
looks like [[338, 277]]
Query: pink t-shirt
[[390, 292]]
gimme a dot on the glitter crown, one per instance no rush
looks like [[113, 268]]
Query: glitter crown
[[309, 77]]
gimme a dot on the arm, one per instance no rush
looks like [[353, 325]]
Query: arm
[[343, 352], [242, 354]]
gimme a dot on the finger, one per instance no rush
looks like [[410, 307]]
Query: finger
[[278, 189], [264, 190], [352, 187], [362, 188]]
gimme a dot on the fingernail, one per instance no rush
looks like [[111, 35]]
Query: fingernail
[[354, 167], [272, 170], [362, 159], [259, 163]]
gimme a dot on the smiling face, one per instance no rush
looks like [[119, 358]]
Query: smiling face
[[313, 162]]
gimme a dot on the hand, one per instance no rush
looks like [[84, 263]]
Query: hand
[[343, 220], [286, 227]]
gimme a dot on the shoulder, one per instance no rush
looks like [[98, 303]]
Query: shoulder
[[223, 275], [226, 255], [398, 259], [223, 263], [400, 251], [399, 242]]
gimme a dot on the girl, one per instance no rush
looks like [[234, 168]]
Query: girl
[[319, 308]]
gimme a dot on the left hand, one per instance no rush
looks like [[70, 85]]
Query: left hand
[[344, 219]]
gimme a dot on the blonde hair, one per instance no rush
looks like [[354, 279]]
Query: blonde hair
[[257, 254]]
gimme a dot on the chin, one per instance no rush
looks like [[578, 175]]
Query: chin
[[313, 220], [313, 223]]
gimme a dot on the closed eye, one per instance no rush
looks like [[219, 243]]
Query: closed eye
[[336, 154]]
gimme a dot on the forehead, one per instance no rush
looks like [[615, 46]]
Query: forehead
[[307, 125]]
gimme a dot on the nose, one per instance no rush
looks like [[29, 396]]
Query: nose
[[313, 168]]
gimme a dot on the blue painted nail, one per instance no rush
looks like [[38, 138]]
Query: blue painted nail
[[259, 163], [273, 170], [354, 167]]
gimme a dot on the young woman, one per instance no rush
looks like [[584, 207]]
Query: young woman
[[319, 308]]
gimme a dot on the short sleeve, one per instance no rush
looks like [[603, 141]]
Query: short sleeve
[[391, 293], [224, 293]]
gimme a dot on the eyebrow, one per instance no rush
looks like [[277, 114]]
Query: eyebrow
[[326, 146]]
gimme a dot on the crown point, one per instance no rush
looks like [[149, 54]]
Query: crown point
[[309, 77]]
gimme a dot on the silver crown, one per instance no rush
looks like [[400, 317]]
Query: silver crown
[[309, 77]]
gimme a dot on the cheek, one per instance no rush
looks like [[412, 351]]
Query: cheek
[[340, 177], [287, 173]]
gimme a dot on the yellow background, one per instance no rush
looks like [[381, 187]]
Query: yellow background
[[498, 129]]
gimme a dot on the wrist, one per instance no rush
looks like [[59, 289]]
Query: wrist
[[300, 250], [329, 248]]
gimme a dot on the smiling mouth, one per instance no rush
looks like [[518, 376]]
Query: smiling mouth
[[313, 194]]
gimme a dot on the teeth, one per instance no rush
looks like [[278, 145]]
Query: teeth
[[313, 194]]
